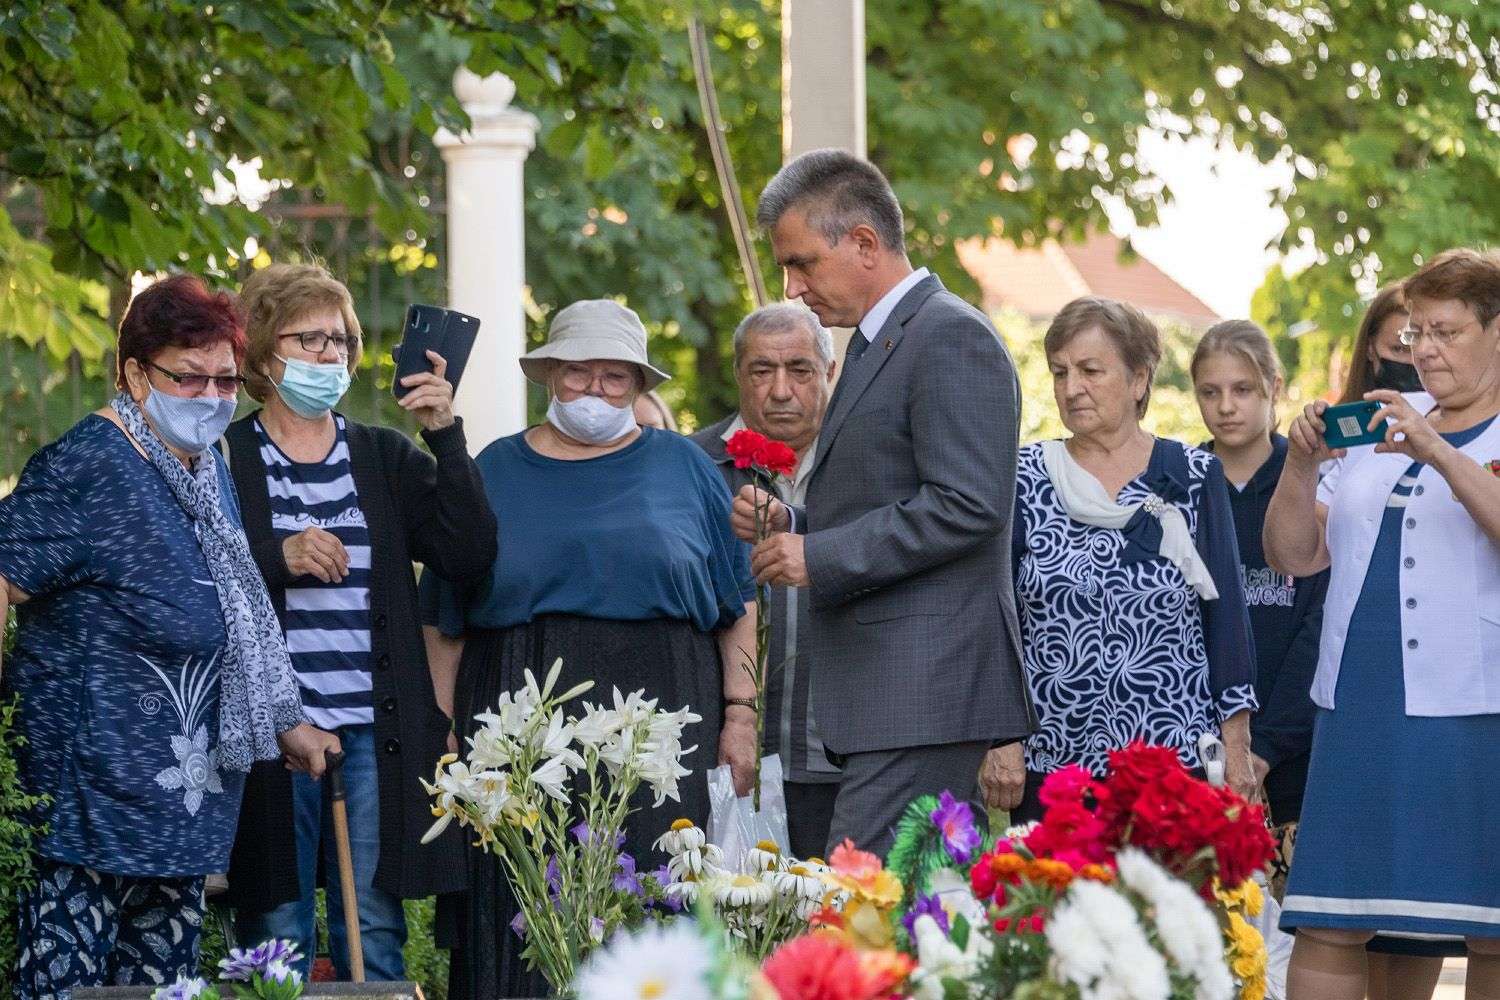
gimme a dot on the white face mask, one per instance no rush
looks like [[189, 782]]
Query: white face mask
[[591, 419]]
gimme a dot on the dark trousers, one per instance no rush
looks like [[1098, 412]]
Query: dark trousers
[[809, 814], [878, 785]]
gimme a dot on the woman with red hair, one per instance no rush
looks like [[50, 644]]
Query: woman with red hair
[[150, 670]]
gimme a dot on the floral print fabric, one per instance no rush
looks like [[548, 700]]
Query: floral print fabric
[[117, 662]]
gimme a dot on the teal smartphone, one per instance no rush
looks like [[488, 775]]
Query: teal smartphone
[[1346, 425]]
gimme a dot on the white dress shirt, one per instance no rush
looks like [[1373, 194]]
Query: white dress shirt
[[881, 311]]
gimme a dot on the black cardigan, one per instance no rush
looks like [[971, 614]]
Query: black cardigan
[[418, 510]]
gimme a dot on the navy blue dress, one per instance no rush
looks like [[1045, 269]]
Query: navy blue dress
[[623, 566], [1117, 645], [1400, 821], [117, 661]]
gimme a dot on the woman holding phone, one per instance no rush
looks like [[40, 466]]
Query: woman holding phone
[[1410, 528], [336, 513]]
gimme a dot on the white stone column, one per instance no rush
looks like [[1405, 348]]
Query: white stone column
[[822, 76], [487, 250]]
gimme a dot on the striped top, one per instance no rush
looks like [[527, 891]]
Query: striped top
[[327, 624]]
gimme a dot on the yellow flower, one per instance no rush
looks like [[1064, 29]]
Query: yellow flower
[[1245, 938], [866, 924], [1254, 898], [1254, 989]]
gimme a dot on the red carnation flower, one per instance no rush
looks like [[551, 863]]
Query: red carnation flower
[[752, 450]]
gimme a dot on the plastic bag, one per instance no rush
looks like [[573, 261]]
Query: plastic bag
[[1278, 942], [733, 824]]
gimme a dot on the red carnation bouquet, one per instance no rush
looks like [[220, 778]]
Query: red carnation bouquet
[[768, 462], [1150, 801]]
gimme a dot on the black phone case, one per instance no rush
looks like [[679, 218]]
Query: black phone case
[[433, 328]]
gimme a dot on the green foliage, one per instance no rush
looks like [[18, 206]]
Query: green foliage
[[17, 836], [1019, 117]]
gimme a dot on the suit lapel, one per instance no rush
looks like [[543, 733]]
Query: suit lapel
[[854, 383]]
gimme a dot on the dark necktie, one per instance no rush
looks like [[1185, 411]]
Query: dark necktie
[[858, 344]]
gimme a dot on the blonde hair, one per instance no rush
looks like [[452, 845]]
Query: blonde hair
[[277, 296], [1246, 341]]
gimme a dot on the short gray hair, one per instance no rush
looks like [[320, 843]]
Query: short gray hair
[[781, 316], [838, 191]]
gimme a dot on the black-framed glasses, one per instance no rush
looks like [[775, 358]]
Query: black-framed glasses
[[317, 341], [224, 385]]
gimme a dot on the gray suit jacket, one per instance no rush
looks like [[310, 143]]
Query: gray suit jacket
[[908, 524]]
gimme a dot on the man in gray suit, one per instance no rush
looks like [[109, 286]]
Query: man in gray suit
[[905, 540]]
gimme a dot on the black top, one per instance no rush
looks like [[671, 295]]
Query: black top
[[1286, 617], [419, 508]]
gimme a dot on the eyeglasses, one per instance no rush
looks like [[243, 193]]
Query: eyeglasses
[[1410, 336], [581, 378], [224, 385], [316, 341]]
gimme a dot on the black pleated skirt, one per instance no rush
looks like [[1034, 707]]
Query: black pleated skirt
[[673, 662]]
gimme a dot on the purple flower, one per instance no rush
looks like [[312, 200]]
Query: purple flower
[[554, 878], [955, 821], [626, 879], [584, 835], [183, 989], [930, 906], [519, 924], [663, 878], [242, 963]]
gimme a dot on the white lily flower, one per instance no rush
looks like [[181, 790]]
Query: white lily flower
[[551, 778], [556, 741], [596, 726]]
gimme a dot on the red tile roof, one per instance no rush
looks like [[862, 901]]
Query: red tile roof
[[1039, 281]]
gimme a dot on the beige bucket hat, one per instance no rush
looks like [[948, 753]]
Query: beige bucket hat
[[593, 330]]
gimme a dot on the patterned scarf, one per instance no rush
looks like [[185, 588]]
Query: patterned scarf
[[258, 695]]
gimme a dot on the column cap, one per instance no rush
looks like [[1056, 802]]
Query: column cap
[[492, 119]]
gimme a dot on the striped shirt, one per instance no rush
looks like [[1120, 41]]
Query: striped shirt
[[327, 624]]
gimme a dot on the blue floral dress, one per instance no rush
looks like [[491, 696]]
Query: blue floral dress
[[1117, 646], [117, 661]]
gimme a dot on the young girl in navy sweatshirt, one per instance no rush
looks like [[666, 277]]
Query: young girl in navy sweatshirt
[[1237, 378]]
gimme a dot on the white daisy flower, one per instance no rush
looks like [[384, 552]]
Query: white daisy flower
[[685, 893], [796, 882], [765, 856], [659, 962], [683, 836], [707, 859], [741, 890]]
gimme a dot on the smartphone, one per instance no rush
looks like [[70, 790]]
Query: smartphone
[[1346, 425], [432, 328]]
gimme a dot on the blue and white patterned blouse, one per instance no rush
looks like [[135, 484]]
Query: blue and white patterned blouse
[[1117, 645], [117, 661]]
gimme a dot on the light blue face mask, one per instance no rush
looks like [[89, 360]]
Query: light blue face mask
[[189, 423], [311, 390]]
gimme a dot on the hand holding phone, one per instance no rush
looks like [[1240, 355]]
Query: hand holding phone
[[432, 331], [1349, 424]]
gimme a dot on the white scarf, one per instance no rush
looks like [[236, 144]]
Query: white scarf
[[1084, 499]]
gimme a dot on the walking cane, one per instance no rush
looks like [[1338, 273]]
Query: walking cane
[[338, 793]]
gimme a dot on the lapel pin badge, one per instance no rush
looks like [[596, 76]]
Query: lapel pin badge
[[889, 344]]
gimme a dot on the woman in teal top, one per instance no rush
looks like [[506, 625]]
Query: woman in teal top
[[615, 555]]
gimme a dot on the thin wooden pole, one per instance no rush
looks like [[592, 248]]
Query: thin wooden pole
[[739, 223]]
